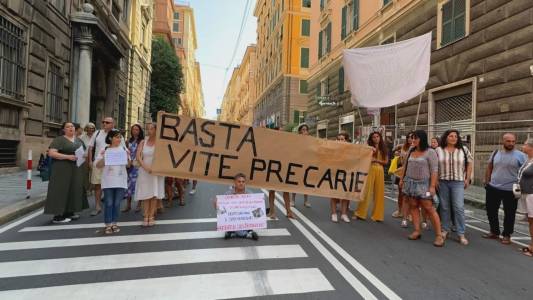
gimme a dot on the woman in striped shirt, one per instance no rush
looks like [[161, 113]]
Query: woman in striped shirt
[[455, 167]]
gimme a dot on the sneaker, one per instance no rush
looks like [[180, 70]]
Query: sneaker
[[403, 224], [95, 212], [345, 218], [60, 220], [252, 235], [334, 218], [273, 218], [192, 192]]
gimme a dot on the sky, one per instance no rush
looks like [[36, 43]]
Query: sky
[[218, 23]]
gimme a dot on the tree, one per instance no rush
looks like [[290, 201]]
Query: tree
[[166, 82]]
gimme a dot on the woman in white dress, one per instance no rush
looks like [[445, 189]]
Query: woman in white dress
[[149, 188]]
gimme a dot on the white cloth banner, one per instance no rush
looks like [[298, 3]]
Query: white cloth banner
[[387, 75]]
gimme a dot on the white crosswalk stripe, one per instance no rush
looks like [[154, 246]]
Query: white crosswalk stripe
[[217, 284]]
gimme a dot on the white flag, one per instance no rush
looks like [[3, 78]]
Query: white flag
[[390, 74]]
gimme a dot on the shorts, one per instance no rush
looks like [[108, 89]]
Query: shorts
[[527, 204], [96, 175], [417, 189]]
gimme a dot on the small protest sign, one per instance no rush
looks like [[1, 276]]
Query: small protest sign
[[241, 212]]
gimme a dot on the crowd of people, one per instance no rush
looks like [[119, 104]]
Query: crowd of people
[[431, 174]]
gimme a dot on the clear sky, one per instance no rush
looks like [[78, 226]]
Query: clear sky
[[217, 27]]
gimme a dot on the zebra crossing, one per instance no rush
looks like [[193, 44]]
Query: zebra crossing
[[57, 268]]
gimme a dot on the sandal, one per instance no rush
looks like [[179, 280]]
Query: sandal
[[108, 230], [439, 241], [145, 223], [490, 236], [415, 236], [463, 240], [115, 228], [526, 251], [151, 222], [291, 216], [506, 240]]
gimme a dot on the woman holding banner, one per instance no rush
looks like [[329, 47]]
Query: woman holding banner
[[419, 184], [150, 189], [342, 137], [303, 129], [375, 184], [136, 136]]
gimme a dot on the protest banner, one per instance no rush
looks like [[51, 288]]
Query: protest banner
[[241, 212], [216, 151]]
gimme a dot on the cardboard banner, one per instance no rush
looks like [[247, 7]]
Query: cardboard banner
[[241, 212], [216, 151]]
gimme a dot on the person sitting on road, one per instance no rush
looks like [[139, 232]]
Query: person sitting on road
[[239, 187]]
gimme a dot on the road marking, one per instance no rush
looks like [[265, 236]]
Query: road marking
[[521, 238], [473, 221], [21, 220], [385, 290], [348, 276], [118, 239], [146, 259], [202, 286], [121, 224]]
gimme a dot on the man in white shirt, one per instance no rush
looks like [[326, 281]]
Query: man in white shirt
[[96, 145]]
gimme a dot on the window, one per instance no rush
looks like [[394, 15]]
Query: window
[[455, 108], [176, 16], [453, 21], [304, 57], [12, 59], [385, 2], [324, 87], [177, 42], [176, 27], [59, 5], [322, 4], [126, 10], [343, 22], [9, 116], [306, 3], [303, 86], [324, 41], [355, 15], [54, 95], [349, 18], [115, 10], [341, 80], [306, 27]]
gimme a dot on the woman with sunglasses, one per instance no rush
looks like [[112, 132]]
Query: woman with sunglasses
[[419, 184]]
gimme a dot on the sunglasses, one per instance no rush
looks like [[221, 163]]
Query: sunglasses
[[106, 122]]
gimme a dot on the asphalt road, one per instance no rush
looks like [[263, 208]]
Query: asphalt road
[[183, 257]]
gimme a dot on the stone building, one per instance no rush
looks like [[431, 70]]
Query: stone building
[[61, 60], [481, 67], [283, 29]]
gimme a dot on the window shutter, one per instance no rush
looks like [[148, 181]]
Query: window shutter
[[305, 27], [341, 80], [355, 15], [327, 87], [304, 58], [296, 116], [320, 44], [447, 23], [318, 87], [322, 4], [328, 34], [459, 19], [343, 26]]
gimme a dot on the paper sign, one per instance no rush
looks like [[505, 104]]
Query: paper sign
[[80, 156], [216, 151], [241, 212], [116, 158]]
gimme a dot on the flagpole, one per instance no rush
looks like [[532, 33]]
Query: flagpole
[[418, 110]]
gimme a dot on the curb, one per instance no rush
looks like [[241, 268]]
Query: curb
[[13, 211]]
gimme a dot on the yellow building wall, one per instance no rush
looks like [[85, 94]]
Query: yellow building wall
[[139, 65]]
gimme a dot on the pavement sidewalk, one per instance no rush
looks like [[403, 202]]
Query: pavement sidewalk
[[13, 202]]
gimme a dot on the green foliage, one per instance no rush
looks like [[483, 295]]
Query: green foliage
[[290, 127], [166, 82]]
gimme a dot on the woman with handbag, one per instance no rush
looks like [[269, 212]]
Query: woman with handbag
[[525, 180], [150, 189], [419, 184], [136, 136]]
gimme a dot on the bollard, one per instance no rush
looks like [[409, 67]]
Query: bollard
[[28, 178]]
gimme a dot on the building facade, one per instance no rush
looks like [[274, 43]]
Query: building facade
[[240, 98], [138, 105], [163, 19], [481, 67], [283, 30], [186, 44], [61, 60]]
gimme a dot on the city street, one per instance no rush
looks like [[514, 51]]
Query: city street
[[183, 257]]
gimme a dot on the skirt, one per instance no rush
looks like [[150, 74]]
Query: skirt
[[418, 189]]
